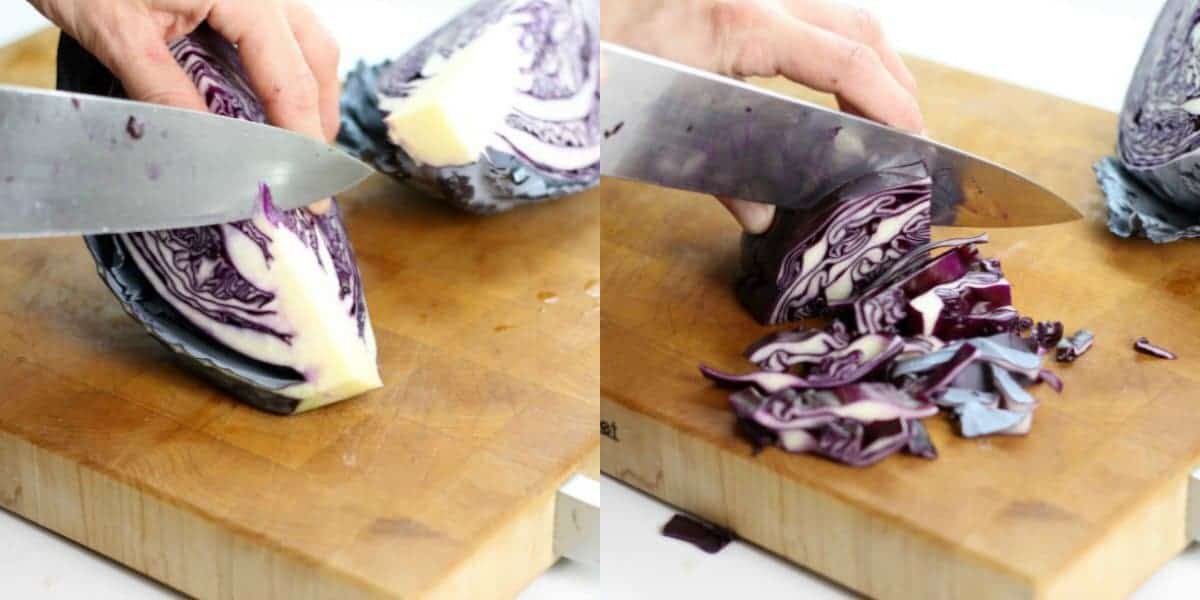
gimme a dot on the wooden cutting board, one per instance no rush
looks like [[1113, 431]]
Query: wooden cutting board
[[439, 485], [1087, 506]]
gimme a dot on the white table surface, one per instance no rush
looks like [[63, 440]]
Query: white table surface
[[1080, 49], [1084, 50], [36, 563]]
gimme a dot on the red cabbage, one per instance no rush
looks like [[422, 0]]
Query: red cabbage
[[976, 420], [810, 259], [236, 302], [779, 351], [945, 374], [705, 536], [857, 424], [976, 304], [1144, 346], [916, 325], [1152, 185], [1046, 335], [1071, 348], [885, 305], [841, 367], [546, 145]]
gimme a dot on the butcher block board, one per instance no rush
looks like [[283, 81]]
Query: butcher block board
[[1086, 506], [439, 485]]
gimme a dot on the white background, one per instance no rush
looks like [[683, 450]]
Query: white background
[[1080, 49]]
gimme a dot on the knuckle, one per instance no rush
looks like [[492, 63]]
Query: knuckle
[[860, 60], [740, 43], [867, 26]]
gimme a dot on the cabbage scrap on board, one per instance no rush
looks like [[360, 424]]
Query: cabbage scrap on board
[[916, 327], [498, 108], [1153, 184], [271, 308]]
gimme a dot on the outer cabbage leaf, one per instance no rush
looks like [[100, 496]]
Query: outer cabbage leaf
[[1153, 185]]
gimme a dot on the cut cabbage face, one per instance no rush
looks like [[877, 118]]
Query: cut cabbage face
[[281, 287], [271, 308], [497, 109], [450, 119]]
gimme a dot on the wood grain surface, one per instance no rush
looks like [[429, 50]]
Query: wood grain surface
[[439, 485], [1086, 506]]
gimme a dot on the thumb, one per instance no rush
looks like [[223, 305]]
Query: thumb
[[754, 217]]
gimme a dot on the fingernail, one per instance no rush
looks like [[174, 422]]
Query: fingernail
[[757, 218]]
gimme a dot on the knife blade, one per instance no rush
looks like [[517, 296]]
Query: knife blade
[[79, 164], [680, 127]]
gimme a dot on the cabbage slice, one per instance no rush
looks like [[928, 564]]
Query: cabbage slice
[[271, 308], [498, 108]]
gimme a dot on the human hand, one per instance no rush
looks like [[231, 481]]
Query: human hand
[[824, 44], [290, 59]]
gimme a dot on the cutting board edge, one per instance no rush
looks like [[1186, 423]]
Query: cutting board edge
[[58, 477], [484, 573], [66, 491], [1162, 510], [655, 458]]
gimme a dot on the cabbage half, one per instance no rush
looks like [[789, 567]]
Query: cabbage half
[[1153, 185], [809, 260], [271, 308], [498, 108]]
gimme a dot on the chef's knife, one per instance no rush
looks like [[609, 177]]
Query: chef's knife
[[679, 127], [75, 163], [577, 520]]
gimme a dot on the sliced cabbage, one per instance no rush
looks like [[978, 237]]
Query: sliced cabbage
[[271, 308], [498, 108], [857, 424], [808, 260]]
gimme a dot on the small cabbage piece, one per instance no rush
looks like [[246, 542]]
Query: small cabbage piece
[[839, 367], [1153, 184], [705, 536], [782, 350], [270, 308], [978, 303], [953, 295], [1071, 348], [858, 424], [1046, 335], [810, 259], [498, 108], [1145, 346]]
